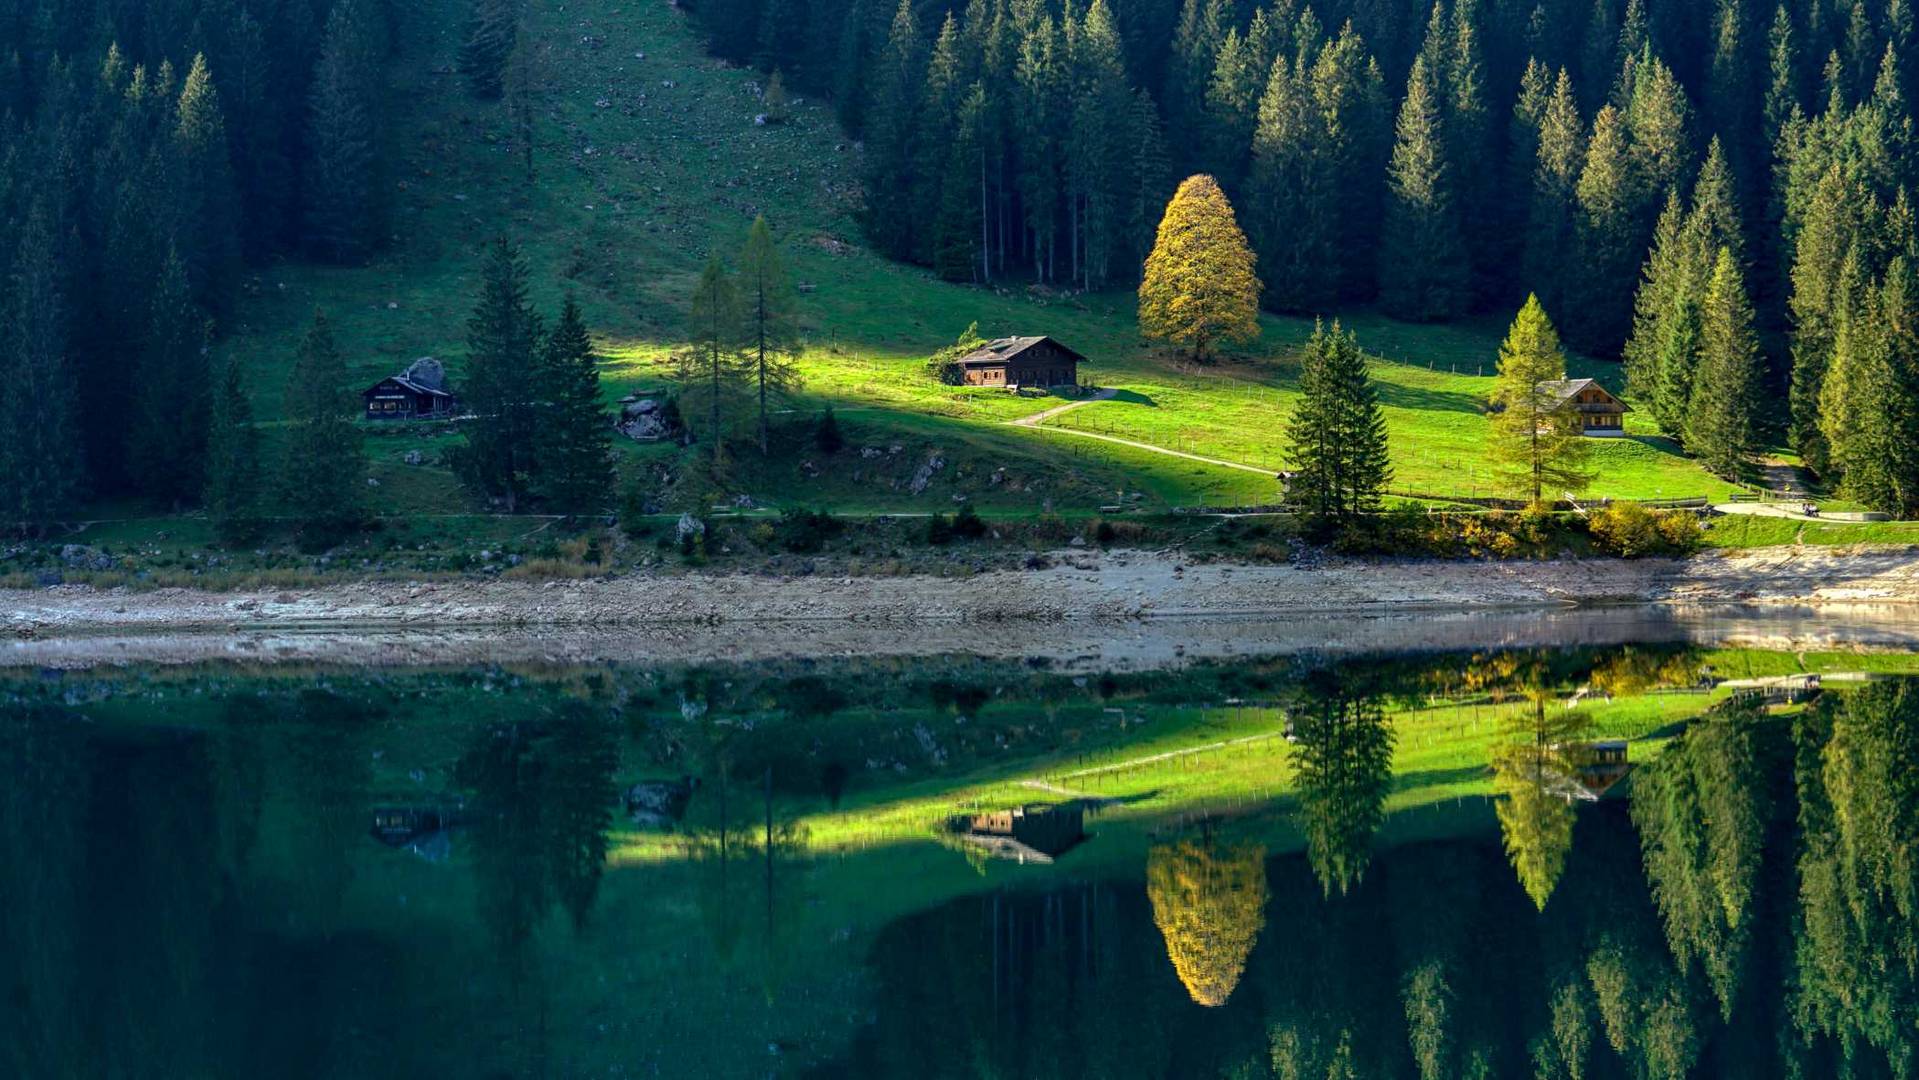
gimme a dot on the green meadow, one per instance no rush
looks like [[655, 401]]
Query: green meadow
[[648, 159]]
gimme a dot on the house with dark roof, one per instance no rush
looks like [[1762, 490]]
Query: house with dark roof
[[1016, 362], [1600, 413], [418, 393], [1034, 833]]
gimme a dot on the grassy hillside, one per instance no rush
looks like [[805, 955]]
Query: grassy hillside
[[649, 158]]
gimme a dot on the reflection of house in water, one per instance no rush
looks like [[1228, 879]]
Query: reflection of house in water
[[423, 830], [1038, 833], [1593, 770]]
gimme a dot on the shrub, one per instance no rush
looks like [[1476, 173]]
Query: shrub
[[968, 524], [1627, 530], [1681, 532], [806, 531], [939, 530], [944, 364], [826, 433]]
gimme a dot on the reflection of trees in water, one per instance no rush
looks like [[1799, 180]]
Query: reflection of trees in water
[[750, 870], [1857, 957], [42, 833], [1343, 763], [1533, 773], [1702, 809], [543, 795], [1209, 902]]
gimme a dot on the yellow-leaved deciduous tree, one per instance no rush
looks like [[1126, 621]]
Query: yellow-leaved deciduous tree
[[1200, 289], [1536, 434], [1536, 777], [1210, 904]]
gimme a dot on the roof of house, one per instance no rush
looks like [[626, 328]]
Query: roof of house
[[1564, 390], [423, 376], [1006, 349]]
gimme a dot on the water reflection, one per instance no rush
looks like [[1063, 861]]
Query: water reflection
[[1642, 862], [1209, 902]]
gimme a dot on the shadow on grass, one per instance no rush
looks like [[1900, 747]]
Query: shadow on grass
[[1397, 396], [1134, 397]]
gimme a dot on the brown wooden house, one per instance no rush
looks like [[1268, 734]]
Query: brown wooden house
[[1035, 833], [1600, 413], [418, 393], [1016, 362]]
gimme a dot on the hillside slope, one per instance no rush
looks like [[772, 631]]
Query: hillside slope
[[648, 158]]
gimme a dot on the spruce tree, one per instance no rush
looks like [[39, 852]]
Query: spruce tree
[[1662, 280], [342, 217], [40, 465], [1828, 233], [1723, 428], [323, 470], [575, 446], [1423, 263], [1336, 435], [169, 430], [772, 346], [1784, 93], [891, 136], [504, 337], [1552, 220], [1609, 244], [715, 370], [492, 33], [233, 461], [1292, 216], [1200, 289], [1536, 438], [210, 217]]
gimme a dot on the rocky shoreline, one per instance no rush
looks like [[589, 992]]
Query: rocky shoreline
[[1095, 598]]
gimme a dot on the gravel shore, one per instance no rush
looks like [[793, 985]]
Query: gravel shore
[[1092, 601]]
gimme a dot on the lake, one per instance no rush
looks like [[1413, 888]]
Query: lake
[[1607, 844]]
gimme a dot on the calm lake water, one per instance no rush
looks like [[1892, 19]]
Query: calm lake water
[[1664, 859]]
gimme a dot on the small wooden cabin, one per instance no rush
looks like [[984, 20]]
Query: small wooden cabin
[[1037, 833], [418, 393], [1601, 415], [1015, 362]]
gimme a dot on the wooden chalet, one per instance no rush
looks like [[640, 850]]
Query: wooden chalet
[[1016, 362], [1037, 833], [1601, 415], [418, 393]]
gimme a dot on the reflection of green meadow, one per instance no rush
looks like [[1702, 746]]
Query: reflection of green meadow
[[706, 922]]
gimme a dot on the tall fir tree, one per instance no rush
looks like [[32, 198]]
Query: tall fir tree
[[575, 448], [1608, 238], [1423, 266], [1723, 428], [772, 345], [1663, 282], [1829, 231], [169, 429], [1536, 439], [1200, 290], [1336, 436], [40, 465], [492, 34], [342, 207], [210, 219], [323, 468], [1553, 216], [233, 461], [504, 337], [889, 117]]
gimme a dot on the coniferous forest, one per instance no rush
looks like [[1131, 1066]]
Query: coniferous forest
[[150, 151], [1713, 190]]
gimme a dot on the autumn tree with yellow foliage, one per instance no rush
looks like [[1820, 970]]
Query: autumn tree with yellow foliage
[[1210, 904], [1200, 290]]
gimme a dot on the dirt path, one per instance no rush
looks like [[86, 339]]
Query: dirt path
[[1039, 418], [1037, 421]]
